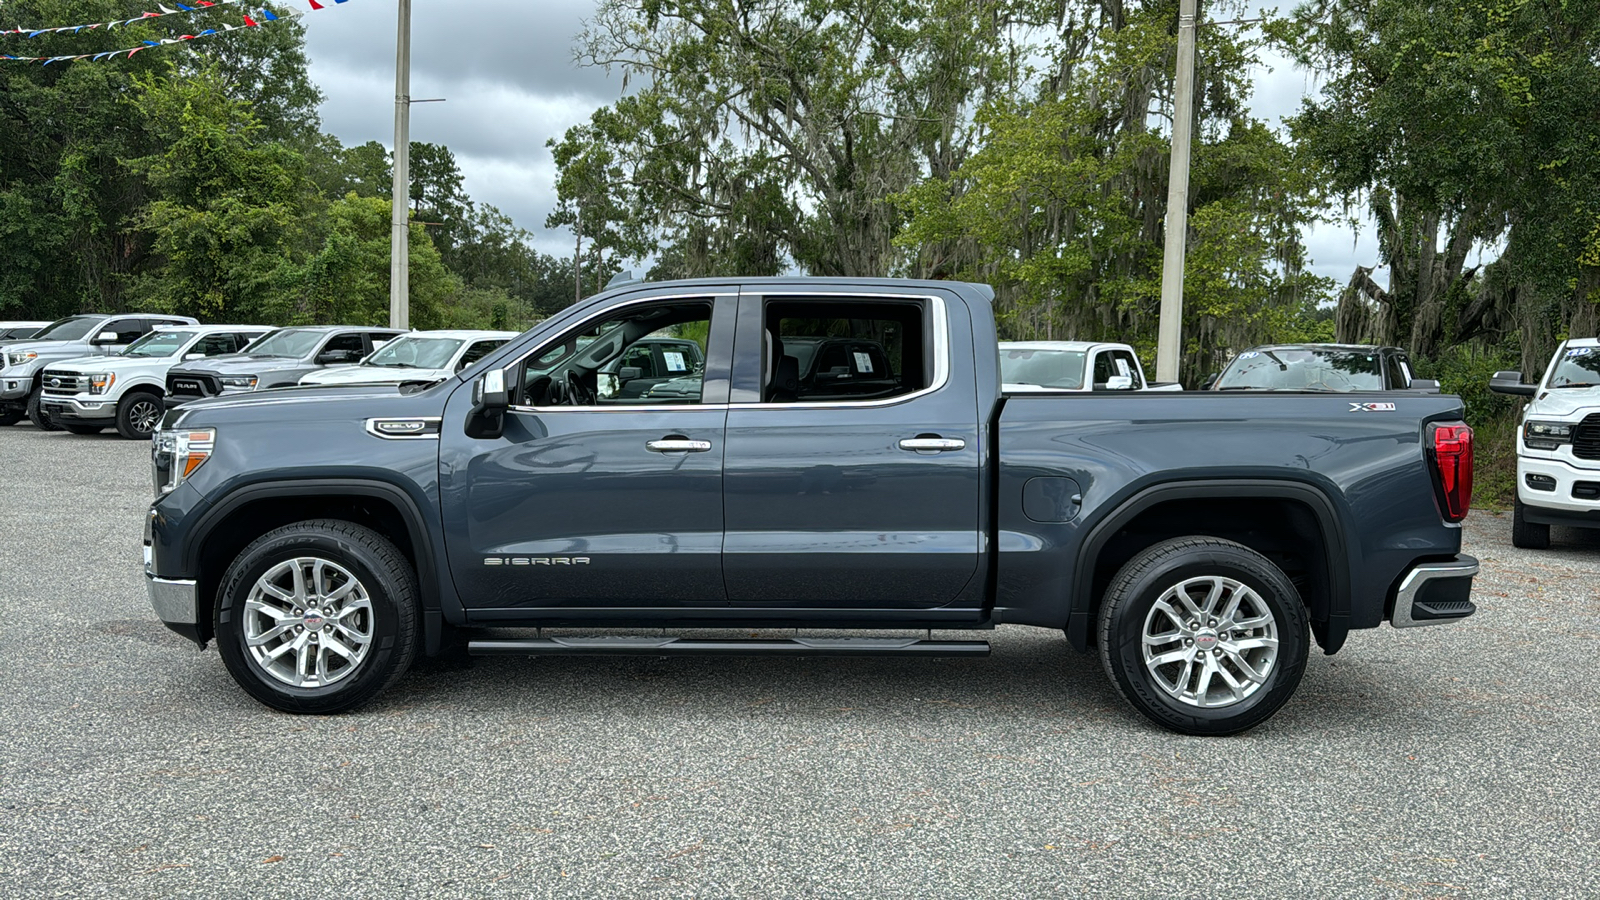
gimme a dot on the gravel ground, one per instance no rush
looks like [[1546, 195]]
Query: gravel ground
[[1449, 762]]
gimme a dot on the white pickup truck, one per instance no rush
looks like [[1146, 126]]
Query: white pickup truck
[[1052, 366], [1558, 445]]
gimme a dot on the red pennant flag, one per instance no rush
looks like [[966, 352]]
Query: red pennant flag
[[315, 4], [249, 22]]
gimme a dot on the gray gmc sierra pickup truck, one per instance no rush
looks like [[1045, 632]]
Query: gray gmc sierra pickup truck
[[1197, 542]]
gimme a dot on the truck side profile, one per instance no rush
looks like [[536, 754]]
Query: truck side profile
[[1197, 543]]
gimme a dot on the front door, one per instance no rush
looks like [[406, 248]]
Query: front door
[[850, 486], [587, 501]]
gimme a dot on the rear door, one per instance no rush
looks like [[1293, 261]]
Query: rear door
[[838, 497]]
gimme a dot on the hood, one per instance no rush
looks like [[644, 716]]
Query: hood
[[1565, 403], [58, 349], [299, 404], [239, 364], [373, 375], [119, 364]]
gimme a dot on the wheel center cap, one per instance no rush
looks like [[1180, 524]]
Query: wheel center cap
[[1206, 640], [313, 620]]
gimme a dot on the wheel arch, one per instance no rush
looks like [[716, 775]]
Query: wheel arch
[[251, 511], [1177, 509]]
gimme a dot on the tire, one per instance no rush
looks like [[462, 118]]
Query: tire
[[257, 602], [138, 414], [1219, 698], [83, 429], [1525, 534], [37, 414]]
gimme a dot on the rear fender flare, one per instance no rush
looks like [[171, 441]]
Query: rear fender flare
[[1335, 547]]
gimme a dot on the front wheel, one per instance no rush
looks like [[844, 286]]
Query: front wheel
[[137, 415], [1525, 534], [37, 414], [1203, 636], [318, 616]]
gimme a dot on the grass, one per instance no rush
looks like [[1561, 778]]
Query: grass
[[1494, 463]]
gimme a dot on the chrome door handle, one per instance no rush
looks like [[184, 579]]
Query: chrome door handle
[[936, 445], [677, 446]]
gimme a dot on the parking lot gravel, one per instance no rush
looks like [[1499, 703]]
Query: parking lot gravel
[[1436, 762]]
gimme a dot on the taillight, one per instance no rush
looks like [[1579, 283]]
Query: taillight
[[1452, 465]]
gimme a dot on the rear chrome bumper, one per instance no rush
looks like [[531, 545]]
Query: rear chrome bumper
[[1435, 593]]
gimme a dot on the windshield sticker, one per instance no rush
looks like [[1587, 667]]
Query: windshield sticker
[[863, 362], [674, 360], [1581, 351], [1372, 407], [1122, 368], [1251, 355]]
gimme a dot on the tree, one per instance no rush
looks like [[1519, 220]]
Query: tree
[[1458, 125], [770, 131], [1063, 207]]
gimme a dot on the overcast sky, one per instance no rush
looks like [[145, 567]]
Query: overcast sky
[[506, 70]]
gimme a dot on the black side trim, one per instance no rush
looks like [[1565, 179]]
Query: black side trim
[[410, 514], [728, 617], [1338, 557]]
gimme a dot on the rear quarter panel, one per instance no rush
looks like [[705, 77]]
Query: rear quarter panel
[[1369, 465]]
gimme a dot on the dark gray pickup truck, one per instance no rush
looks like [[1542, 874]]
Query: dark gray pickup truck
[[1198, 542]]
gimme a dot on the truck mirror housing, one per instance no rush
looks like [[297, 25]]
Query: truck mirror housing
[[490, 399], [628, 373], [1210, 380], [1119, 383], [106, 337], [1509, 382], [1425, 384]]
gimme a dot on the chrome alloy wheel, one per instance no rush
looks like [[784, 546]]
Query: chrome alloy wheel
[[144, 415], [1210, 641], [308, 622]]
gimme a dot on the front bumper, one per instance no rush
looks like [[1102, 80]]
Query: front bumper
[[1574, 499], [17, 384], [1435, 593], [74, 409], [175, 600]]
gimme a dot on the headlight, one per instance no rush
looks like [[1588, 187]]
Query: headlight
[[99, 384], [239, 382], [1545, 435], [21, 356], [176, 454]]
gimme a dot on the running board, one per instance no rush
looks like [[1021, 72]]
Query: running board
[[668, 646]]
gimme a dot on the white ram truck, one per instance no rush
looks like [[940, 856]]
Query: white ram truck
[[1558, 445]]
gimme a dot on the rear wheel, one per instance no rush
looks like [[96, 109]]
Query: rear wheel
[[1203, 636], [1525, 534], [317, 617], [37, 414], [137, 415], [83, 429]]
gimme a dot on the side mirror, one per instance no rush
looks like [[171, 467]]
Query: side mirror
[[188, 356], [1210, 380], [1428, 385], [106, 337], [332, 357], [1119, 383], [1509, 382], [629, 373], [490, 400]]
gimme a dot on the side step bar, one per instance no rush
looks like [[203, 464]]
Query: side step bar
[[671, 646]]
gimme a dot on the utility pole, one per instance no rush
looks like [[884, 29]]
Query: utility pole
[[400, 243], [1169, 333], [577, 259]]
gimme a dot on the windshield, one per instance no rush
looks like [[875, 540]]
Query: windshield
[[415, 353], [158, 344], [288, 342], [69, 329], [1301, 369], [1578, 367], [1046, 368]]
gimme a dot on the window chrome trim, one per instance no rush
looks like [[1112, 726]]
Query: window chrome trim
[[941, 350], [431, 427]]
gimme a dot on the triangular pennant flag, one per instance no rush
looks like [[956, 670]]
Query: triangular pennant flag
[[267, 14], [249, 22]]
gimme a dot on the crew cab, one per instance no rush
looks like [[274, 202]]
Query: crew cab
[[280, 359], [124, 390], [324, 538], [22, 364], [1320, 367], [1558, 444], [415, 357], [1073, 366]]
